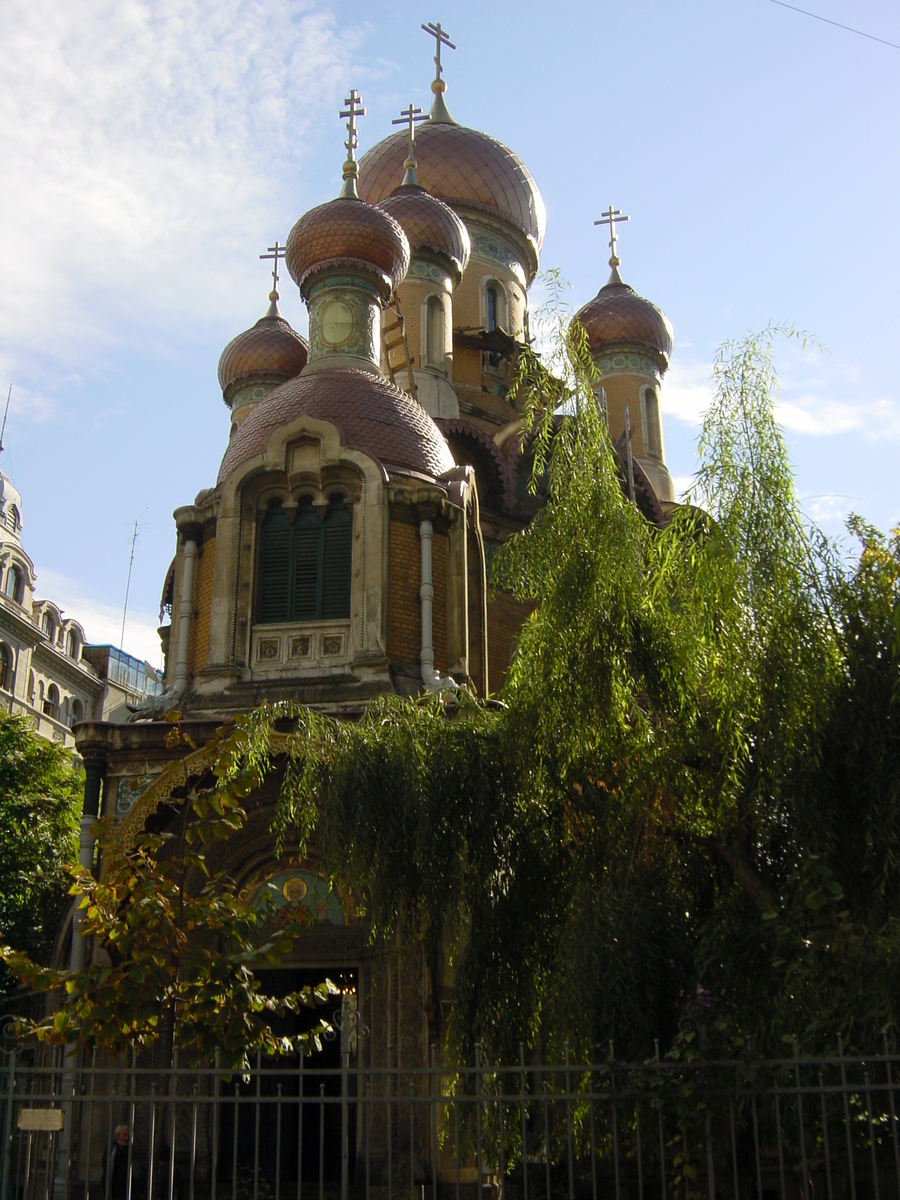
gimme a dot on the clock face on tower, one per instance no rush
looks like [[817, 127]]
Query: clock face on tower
[[338, 323]]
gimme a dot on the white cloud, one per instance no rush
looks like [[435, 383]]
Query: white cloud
[[682, 485], [819, 397], [138, 136], [101, 621], [686, 392]]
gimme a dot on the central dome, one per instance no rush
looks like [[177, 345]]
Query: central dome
[[463, 168], [371, 414]]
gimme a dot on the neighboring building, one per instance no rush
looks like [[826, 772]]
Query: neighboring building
[[46, 670], [366, 479]]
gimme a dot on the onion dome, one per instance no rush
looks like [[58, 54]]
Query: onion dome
[[618, 316], [347, 232], [464, 168], [270, 350], [371, 414], [429, 225]]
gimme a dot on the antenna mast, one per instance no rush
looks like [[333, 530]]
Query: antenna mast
[[128, 587], [5, 415]]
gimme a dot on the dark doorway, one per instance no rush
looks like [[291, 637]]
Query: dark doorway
[[302, 1125]]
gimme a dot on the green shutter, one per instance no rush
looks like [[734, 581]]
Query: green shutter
[[307, 565], [274, 569], [336, 565]]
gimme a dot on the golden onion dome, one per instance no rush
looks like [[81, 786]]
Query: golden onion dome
[[347, 232], [371, 414], [618, 316], [270, 349], [467, 170], [429, 225]]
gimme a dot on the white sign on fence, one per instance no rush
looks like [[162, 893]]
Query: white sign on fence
[[46, 1119]]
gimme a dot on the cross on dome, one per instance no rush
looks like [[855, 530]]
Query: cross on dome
[[439, 110], [410, 116], [275, 253], [611, 218], [353, 110]]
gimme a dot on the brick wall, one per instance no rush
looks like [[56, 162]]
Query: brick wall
[[404, 607], [202, 602], [506, 616]]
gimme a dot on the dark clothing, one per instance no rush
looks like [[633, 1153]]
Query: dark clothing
[[118, 1174]]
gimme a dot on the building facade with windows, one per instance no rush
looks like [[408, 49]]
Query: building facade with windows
[[47, 672]]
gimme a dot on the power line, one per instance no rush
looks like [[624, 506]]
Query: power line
[[837, 24]]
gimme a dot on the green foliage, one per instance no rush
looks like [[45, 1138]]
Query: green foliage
[[40, 803], [180, 948]]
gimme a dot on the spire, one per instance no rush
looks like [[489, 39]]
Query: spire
[[439, 111], [409, 116], [611, 217], [353, 110], [275, 253]]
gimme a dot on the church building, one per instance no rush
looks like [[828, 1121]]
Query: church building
[[367, 476]]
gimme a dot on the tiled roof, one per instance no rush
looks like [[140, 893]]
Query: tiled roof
[[618, 316], [461, 167], [429, 224], [347, 232], [371, 414], [270, 348]]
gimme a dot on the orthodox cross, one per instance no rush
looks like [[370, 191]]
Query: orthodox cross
[[611, 217], [410, 116], [275, 253], [441, 39], [353, 110]]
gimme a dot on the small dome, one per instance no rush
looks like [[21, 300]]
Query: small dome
[[618, 316], [429, 224], [371, 414], [463, 168], [270, 349], [347, 232]]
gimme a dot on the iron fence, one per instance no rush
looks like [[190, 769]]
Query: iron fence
[[797, 1128]]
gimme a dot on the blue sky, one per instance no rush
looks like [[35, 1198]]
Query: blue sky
[[150, 151]]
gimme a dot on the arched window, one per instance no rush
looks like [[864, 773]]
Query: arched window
[[71, 644], [76, 712], [51, 704], [31, 687], [434, 339], [304, 567], [13, 582], [12, 518], [651, 413], [493, 308], [5, 668], [47, 625]]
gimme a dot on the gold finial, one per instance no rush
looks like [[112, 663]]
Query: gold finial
[[409, 116], [353, 110], [611, 217], [439, 110], [275, 253]]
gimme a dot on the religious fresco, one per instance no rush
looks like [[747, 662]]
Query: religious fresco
[[298, 893]]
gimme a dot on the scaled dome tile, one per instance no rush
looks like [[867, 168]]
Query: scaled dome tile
[[372, 415], [461, 167], [429, 224], [270, 348], [618, 316], [347, 232]]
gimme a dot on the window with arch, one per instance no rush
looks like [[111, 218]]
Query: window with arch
[[14, 584], [76, 712], [492, 308], [434, 332], [71, 644], [651, 422], [5, 668], [304, 564], [47, 625], [51, 702], [12, 519]]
